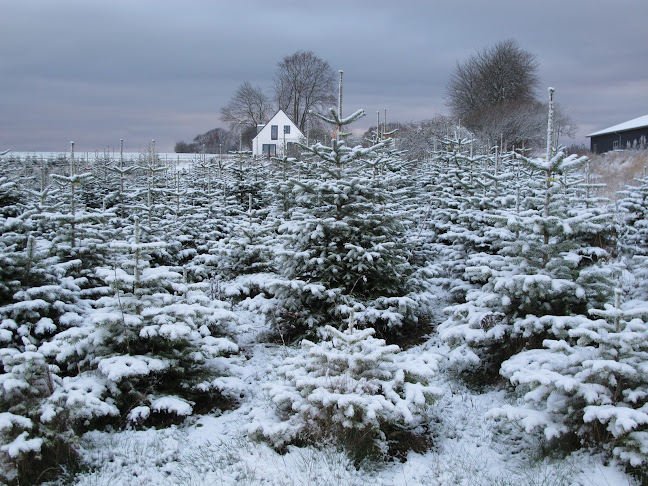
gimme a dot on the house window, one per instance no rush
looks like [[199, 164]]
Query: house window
[[286, 128], [274, 132], [270, 149]]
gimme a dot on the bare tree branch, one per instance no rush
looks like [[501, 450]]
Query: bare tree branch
[[488, 91], [249, 107], [304, 83]]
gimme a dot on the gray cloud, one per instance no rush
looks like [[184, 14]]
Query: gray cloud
[[95, 72]]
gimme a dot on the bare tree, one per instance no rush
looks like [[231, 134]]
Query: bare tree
[[212, 142], [420, 139], [522, 124], [498, 79], [249, 107], [304, 82], [564, 124], [512, 124]]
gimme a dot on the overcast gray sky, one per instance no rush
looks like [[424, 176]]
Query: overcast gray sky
[[95, 71]]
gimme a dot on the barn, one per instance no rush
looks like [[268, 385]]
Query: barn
[[631, 134]]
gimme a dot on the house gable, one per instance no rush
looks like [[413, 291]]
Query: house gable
[[274, 137]]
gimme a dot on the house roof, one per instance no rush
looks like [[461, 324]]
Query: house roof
[[273, 117], [640, 122]]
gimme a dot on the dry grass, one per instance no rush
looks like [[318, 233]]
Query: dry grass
[[619, 169]]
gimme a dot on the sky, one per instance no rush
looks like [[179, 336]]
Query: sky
[[97, 71]]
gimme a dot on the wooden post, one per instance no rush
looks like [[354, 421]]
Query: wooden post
[[340, 96], [378, 137], [550, 122], [385, 122]]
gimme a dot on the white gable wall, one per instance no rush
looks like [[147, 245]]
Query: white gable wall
[[264, 139]]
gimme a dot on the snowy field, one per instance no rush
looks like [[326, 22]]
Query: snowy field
[[91, 157], [132, 299], [468, 449]]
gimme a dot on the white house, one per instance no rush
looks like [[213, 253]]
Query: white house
[[273, 138]]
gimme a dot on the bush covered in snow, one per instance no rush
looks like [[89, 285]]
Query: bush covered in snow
[[592, 382], [353, 390]]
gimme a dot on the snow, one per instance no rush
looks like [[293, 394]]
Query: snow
[[22, 444], [116, 368], [139, 413], [128, 156], [469, 449], [172, 404], [619, 419], [83, 396], [8, 420]]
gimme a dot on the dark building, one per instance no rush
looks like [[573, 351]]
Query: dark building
[[631, 134]]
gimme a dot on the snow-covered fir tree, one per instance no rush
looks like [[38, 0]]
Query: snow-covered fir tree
[[350, 388], [343, 247], [81, 232], [40, 296], [154, 349], [550, 263], [35, 440], [248, 247], [459, 188], [589, 381]]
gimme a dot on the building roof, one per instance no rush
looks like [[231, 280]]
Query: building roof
[[640, 122], [280, 112]]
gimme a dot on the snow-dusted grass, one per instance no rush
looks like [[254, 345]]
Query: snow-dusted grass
[[177, 457], [619, 169]]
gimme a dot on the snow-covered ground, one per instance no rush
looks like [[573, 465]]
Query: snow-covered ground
[[468, 449]]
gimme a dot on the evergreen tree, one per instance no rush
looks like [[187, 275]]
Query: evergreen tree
[[35, 440], [248, 247], [40, 296], [590, 381], [550, 264], [352, 388], [342, 248], [155, 348]]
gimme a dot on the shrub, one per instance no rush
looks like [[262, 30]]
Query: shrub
[[352, 389]]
